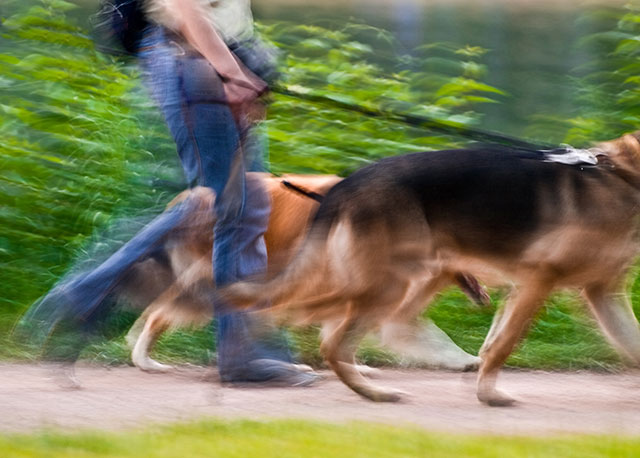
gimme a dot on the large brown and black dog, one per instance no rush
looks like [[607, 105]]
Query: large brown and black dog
[[174, 290], [391, 235]]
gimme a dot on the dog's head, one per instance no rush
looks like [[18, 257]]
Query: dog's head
[[622, 153]]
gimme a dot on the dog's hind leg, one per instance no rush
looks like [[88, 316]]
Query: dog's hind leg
[[616, 318], [184, 302], [136, 329], [423, 344], [364, 312], [339, 349], [518, 314], [154, 326], [328, 328]]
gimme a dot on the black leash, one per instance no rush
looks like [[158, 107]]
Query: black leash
[[304, 192], [424, 122]]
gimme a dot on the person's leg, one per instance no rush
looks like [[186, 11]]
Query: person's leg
[[247, 350], [80, 302], [191, 97]]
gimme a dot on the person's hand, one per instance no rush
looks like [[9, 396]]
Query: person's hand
[[242, 93], [243, 87], [240, 85]]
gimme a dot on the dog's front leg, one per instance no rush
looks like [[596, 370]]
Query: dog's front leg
[[616, 319], [518, 314], [493, 330]]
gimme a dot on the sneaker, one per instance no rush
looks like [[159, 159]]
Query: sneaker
[[271, 371]]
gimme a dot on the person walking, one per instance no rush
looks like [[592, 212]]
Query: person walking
[[206, 69]]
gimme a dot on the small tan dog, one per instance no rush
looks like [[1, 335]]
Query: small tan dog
[[393, 234], [174, 284]]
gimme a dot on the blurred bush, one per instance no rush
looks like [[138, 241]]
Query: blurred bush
[[81, 144], [607, 87], [362, 66], [77, 146]]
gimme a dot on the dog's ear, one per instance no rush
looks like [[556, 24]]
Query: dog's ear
[[605, 161], [622, 153], [630, 144]]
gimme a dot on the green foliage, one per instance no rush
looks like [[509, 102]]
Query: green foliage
[[441, 81], [607, 87], [76, 147]]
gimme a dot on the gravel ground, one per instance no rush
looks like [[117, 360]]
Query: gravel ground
[[124, 397]]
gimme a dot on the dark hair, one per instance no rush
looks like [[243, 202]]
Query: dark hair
[[118, 26]]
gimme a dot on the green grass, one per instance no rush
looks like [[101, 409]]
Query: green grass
[[563, 337], [295, 438]]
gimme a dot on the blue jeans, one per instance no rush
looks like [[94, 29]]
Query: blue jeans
[[214, 153]]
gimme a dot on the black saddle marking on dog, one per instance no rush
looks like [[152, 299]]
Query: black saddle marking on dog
[[488, 197]]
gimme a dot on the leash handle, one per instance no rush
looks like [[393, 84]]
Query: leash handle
[[243, 84]]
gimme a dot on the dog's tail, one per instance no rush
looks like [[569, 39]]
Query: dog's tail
[[299, 278], [290, 282]]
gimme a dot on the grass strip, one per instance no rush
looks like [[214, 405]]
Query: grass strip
[[297, 438]]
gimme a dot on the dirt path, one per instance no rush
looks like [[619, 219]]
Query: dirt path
[[124, 397]]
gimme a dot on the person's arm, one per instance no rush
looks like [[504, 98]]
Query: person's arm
[[240, 84]]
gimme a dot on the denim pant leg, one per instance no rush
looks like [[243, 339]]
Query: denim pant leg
[[80, 301], [190, 93]]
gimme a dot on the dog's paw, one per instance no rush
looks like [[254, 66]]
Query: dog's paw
[[385, 395], [496, 398], [151, 365]]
